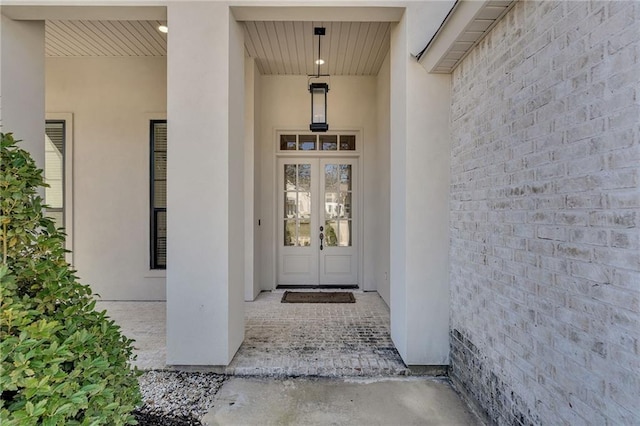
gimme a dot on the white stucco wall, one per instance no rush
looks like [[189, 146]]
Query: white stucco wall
[[351, 106], [112, 101], [22, 84], [250, 289], [257, 179], [381, 177], [420, 144], [236, 196], [205, 189]]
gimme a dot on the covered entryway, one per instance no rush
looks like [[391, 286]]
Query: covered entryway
[[223, 110], [319, 218]]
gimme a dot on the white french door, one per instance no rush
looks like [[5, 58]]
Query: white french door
[[317, 226]]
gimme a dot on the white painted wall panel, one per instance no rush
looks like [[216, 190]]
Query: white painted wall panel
[[419, 204], [381, 225], [112, 100], [351, 105], [22, 84]]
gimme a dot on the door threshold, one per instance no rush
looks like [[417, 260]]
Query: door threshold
[[312, 287]]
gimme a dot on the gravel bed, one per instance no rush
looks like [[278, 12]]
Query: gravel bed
[[176, 398]]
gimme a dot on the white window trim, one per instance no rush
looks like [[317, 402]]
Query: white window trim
[[317, 152]]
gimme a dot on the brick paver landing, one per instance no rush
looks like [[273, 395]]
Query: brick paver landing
[[317, 339], [283, 339]]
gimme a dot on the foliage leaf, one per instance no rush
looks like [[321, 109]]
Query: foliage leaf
[[61, 362]]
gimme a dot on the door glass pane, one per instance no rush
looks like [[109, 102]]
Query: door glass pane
[[347, 142], [331, 205], [331, 178], [331, 233], [288, 142], [344, 234], [304, 205], [297, 205], [344, 208], [307, 143], [290, 235], [290, 205], [289, 176], [345, 177], [329, 142], [304, 177], [304, 233]]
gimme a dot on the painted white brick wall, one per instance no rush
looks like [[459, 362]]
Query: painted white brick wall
[[545, 207]]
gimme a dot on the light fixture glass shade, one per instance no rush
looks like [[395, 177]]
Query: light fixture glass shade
[[319, 107]]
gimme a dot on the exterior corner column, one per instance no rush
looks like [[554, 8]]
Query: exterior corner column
[[420, 150], [205, 187], [22, 84]]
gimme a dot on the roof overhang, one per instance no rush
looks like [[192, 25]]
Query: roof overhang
[[318, 13], [87, 13], [463, 28]]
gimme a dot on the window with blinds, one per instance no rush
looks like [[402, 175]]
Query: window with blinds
[[54, 169], [158, 195]]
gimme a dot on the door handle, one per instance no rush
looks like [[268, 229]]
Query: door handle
[[321, 238]]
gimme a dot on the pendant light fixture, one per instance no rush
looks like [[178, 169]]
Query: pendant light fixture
[[318, 92]]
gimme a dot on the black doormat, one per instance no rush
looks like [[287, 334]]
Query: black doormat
[[318, 297]]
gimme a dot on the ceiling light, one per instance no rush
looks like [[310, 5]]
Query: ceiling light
[[318, 93], [318, 107], [163, 29]]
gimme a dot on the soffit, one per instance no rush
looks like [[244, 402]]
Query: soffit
[[279, 47], [73, 38], [462, 30], [290, 48]]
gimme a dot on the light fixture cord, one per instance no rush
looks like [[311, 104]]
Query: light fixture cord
[[319, 39]]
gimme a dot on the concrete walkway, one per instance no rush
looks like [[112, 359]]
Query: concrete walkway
[[359, 378], [305, 401]]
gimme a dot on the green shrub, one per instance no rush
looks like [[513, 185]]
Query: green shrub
[[62, 362]]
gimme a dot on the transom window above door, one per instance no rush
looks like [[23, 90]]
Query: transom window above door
[[333, 142]]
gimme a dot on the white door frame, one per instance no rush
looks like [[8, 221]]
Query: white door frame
[[357, 154]]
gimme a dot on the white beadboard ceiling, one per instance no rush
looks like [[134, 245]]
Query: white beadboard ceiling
[[348, 48], [279, 47], [104, 38]]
